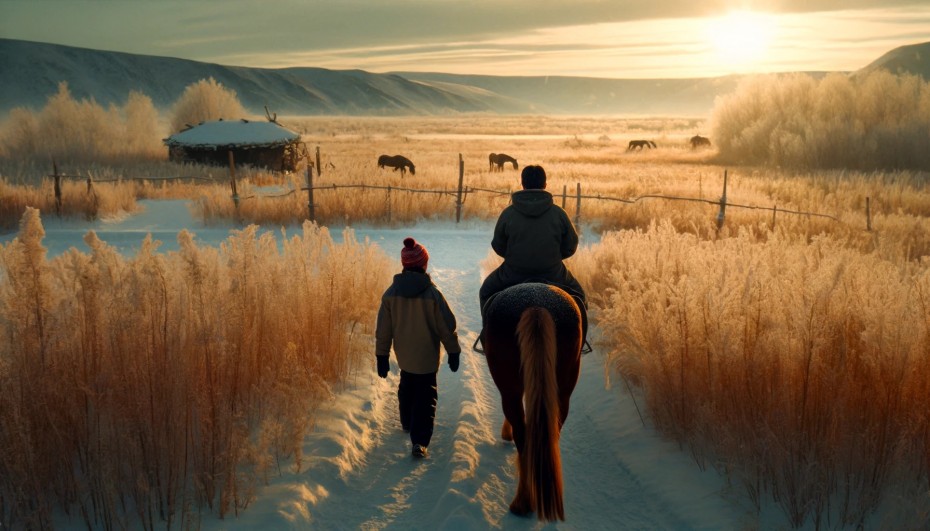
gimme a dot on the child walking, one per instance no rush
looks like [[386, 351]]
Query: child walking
[[416, 318]]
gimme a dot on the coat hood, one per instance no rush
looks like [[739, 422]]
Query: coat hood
[[411, 283], [532, 203]]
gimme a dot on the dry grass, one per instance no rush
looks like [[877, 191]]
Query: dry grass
[[137, 389], [798, 368]]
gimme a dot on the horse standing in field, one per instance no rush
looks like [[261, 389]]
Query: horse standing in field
[[398, 162], [498, 160], [699, 141], [640, 144], [532, 342]]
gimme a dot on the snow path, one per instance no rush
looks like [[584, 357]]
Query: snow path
[[356, 471], [618, 474]]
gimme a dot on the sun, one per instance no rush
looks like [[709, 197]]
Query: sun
[[741, 38]]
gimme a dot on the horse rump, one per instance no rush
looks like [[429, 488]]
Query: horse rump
[[532, 342]]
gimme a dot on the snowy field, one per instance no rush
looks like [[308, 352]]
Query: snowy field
[[358, 472]]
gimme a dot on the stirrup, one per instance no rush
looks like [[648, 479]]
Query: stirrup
[[475, 347], [586, 347]]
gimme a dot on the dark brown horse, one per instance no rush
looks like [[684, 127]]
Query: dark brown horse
[[497, 160], [640, 144], [398, 162], [532, 341], [699, 141]]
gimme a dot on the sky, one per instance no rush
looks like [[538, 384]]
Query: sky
[[600, 38]]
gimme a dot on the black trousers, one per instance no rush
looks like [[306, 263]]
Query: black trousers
[[416, 396]]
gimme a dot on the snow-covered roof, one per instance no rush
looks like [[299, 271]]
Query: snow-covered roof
[[239, 133]]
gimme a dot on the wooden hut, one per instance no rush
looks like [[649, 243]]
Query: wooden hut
[[261, 144]]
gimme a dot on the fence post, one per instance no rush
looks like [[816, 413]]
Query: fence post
[[868, 214], [458, 199], [564, 194], [232, 182], [311, 212], [389, 203], [57, 188], [721, 215], [774, 210], [578, 205], [319, 168], [95, 206]]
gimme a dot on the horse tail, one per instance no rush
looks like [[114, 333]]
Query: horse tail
[[538, 348]]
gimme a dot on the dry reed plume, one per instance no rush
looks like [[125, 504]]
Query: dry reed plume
[[139, 389], [798, 368]]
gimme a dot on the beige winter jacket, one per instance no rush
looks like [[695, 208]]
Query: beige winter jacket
[[416, 318]]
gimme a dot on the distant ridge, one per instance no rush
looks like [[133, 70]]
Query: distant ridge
[[31, 72], [588, 95], [911, 59]]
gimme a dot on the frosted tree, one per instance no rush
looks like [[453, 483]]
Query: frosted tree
[[205, 100]]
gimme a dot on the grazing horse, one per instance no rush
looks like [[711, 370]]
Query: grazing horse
[[498, 160], [398, 162], [699, 141], [640, 144], [532, 341]]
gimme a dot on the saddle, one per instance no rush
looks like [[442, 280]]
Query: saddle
[[582, 307]]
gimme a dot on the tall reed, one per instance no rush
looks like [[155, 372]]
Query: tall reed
[[136, 390], [798, 368]]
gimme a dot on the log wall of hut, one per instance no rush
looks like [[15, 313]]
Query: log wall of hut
[[279, 158]]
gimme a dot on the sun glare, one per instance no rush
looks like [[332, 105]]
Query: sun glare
[[741, 38]]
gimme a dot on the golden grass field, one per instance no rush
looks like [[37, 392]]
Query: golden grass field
[[788, 351]]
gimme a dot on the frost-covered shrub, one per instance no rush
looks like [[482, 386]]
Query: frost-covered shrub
[[878, 121], [67, 130], [203, 101]]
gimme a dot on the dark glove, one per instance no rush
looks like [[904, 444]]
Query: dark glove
[[454, 361], [384, 366]]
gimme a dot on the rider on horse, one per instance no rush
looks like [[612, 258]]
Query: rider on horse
[[533, 235]]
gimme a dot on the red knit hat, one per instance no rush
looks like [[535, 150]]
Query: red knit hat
[[413, 254]]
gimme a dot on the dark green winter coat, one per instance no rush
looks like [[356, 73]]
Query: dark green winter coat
[[533, 234], [416, 318]]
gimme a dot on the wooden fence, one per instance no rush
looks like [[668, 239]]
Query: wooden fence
[[460, 193]]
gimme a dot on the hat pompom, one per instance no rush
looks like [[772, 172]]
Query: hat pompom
[[413, 255]]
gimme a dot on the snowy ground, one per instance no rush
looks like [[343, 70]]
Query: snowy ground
[[358, 472]]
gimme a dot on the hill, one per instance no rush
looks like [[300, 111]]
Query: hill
[[912, 59], [32, 72], [586, 95]]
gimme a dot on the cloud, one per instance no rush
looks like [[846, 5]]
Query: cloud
[[606, 38]]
